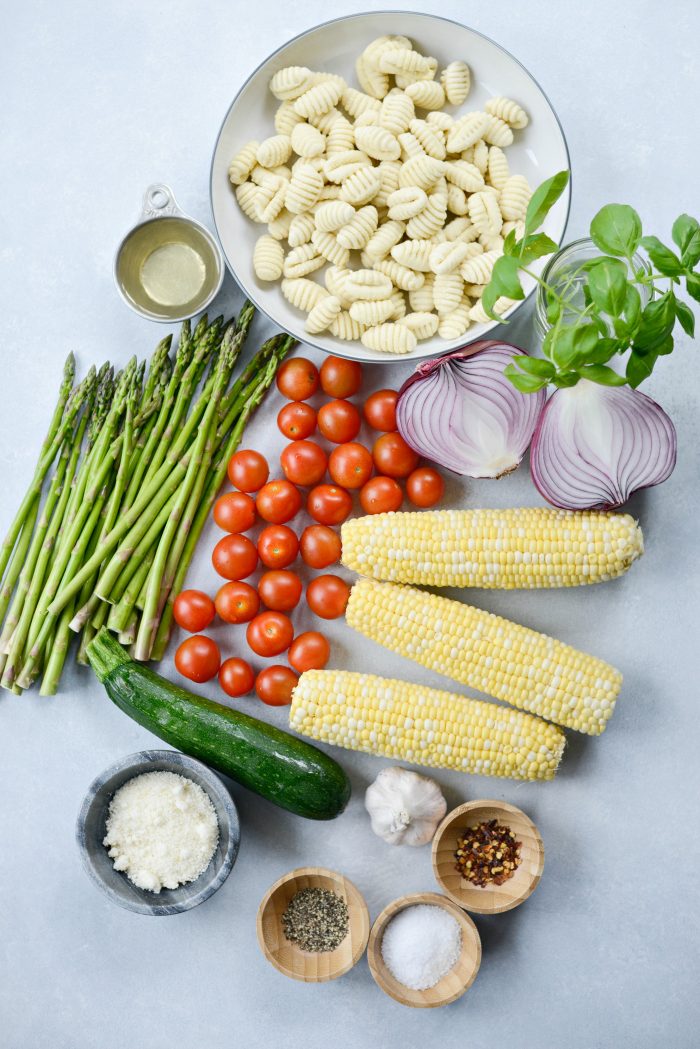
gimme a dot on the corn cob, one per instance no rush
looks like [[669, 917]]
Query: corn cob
[[408, 722], [530, 670], [493, 549]]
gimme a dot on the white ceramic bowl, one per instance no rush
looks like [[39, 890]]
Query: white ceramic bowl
[[538, 152]]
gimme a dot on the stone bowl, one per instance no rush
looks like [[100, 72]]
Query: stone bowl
[[91, 829]]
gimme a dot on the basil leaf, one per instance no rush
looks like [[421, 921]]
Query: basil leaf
[[543, 199], [522, 382], [686, 234], [617, 230], [535, 366], [607, 281], [686, 317], [603, 350], [665, 347], [656, 323], [633, 305], [511, 245], [600, 373], [563, 348], [692, 285], [535, 247], [665, 260], [553, 308], [639, 368], [564, 379]]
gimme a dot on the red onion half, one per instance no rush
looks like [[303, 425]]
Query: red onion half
[[462, 412], [596, 445]]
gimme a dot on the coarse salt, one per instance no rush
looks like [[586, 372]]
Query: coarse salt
[[162, 830], [420, 945]]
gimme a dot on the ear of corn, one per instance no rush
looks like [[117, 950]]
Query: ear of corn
[[527, 669], [408, 722], [492, 549]]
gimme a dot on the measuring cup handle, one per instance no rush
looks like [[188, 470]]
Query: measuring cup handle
[[159, 199]]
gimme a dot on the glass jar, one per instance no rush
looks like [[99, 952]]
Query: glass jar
[[567, 260]]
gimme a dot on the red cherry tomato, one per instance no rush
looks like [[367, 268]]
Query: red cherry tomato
[[234, 512], [198, 658], [320, 546], [380, 410], [339, 421], [235, 557], [393, 457], [278, 501], [309, 651], [193, 610], [270, 633], [329, 504], [425, 487], [340, 378], [327, 596], [350, 465], [297, 379], [297, 420], [237, 602], [236, 677], [304, 462], [380, 495], [248, 470], [274, 685], [278, 546], [280, 590]]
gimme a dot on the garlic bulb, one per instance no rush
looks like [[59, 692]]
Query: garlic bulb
[[404, 807]]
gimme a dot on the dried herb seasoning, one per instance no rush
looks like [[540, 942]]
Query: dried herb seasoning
[[316, 920], [487, 854]]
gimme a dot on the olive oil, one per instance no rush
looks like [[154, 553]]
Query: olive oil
[[167, 268]]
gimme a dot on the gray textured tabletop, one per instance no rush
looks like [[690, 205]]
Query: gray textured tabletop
[[99, 100]]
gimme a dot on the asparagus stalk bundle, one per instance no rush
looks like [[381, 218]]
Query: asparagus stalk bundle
[[127, 474]]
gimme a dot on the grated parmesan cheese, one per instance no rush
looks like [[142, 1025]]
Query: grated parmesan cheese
[[162, 830]]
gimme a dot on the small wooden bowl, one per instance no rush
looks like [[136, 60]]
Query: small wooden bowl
[[492, 899], [311, 967], [453, 985]]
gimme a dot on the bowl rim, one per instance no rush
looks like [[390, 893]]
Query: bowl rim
[[333, 877], [180, 764], [395, 907], [508, 810], [310, 339]]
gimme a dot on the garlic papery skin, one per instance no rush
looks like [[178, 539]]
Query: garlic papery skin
[[404, 807]]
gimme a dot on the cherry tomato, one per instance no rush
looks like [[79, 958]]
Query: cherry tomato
[[304, 462], [393, 457], [278, 546], [236, 677], [425, 487], [234, 512], [237, 602], [248, 470], [235, 557], [278, 501], [309, 651], [297, 420], [297, 379], [320, 546], [327, 596], [198, 658], [340, 378], [270, 633], [329, 504], [274, 685], [339, 421], [193, 610], [280, 590], [350, 465], [380, 410], [380, 495]]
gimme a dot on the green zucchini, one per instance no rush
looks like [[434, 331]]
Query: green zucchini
[[282, 768]]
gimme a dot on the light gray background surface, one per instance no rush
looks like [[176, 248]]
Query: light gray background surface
[[98, 101]]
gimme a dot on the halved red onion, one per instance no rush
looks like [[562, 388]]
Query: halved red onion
[[595, 445], [463, 413]]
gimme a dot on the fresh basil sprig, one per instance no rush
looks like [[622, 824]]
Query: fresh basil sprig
[[582, 340]]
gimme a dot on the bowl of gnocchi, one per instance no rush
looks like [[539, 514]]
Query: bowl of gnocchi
[[366, 175]]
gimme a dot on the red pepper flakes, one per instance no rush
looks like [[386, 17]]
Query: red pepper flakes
[[487, 854]]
